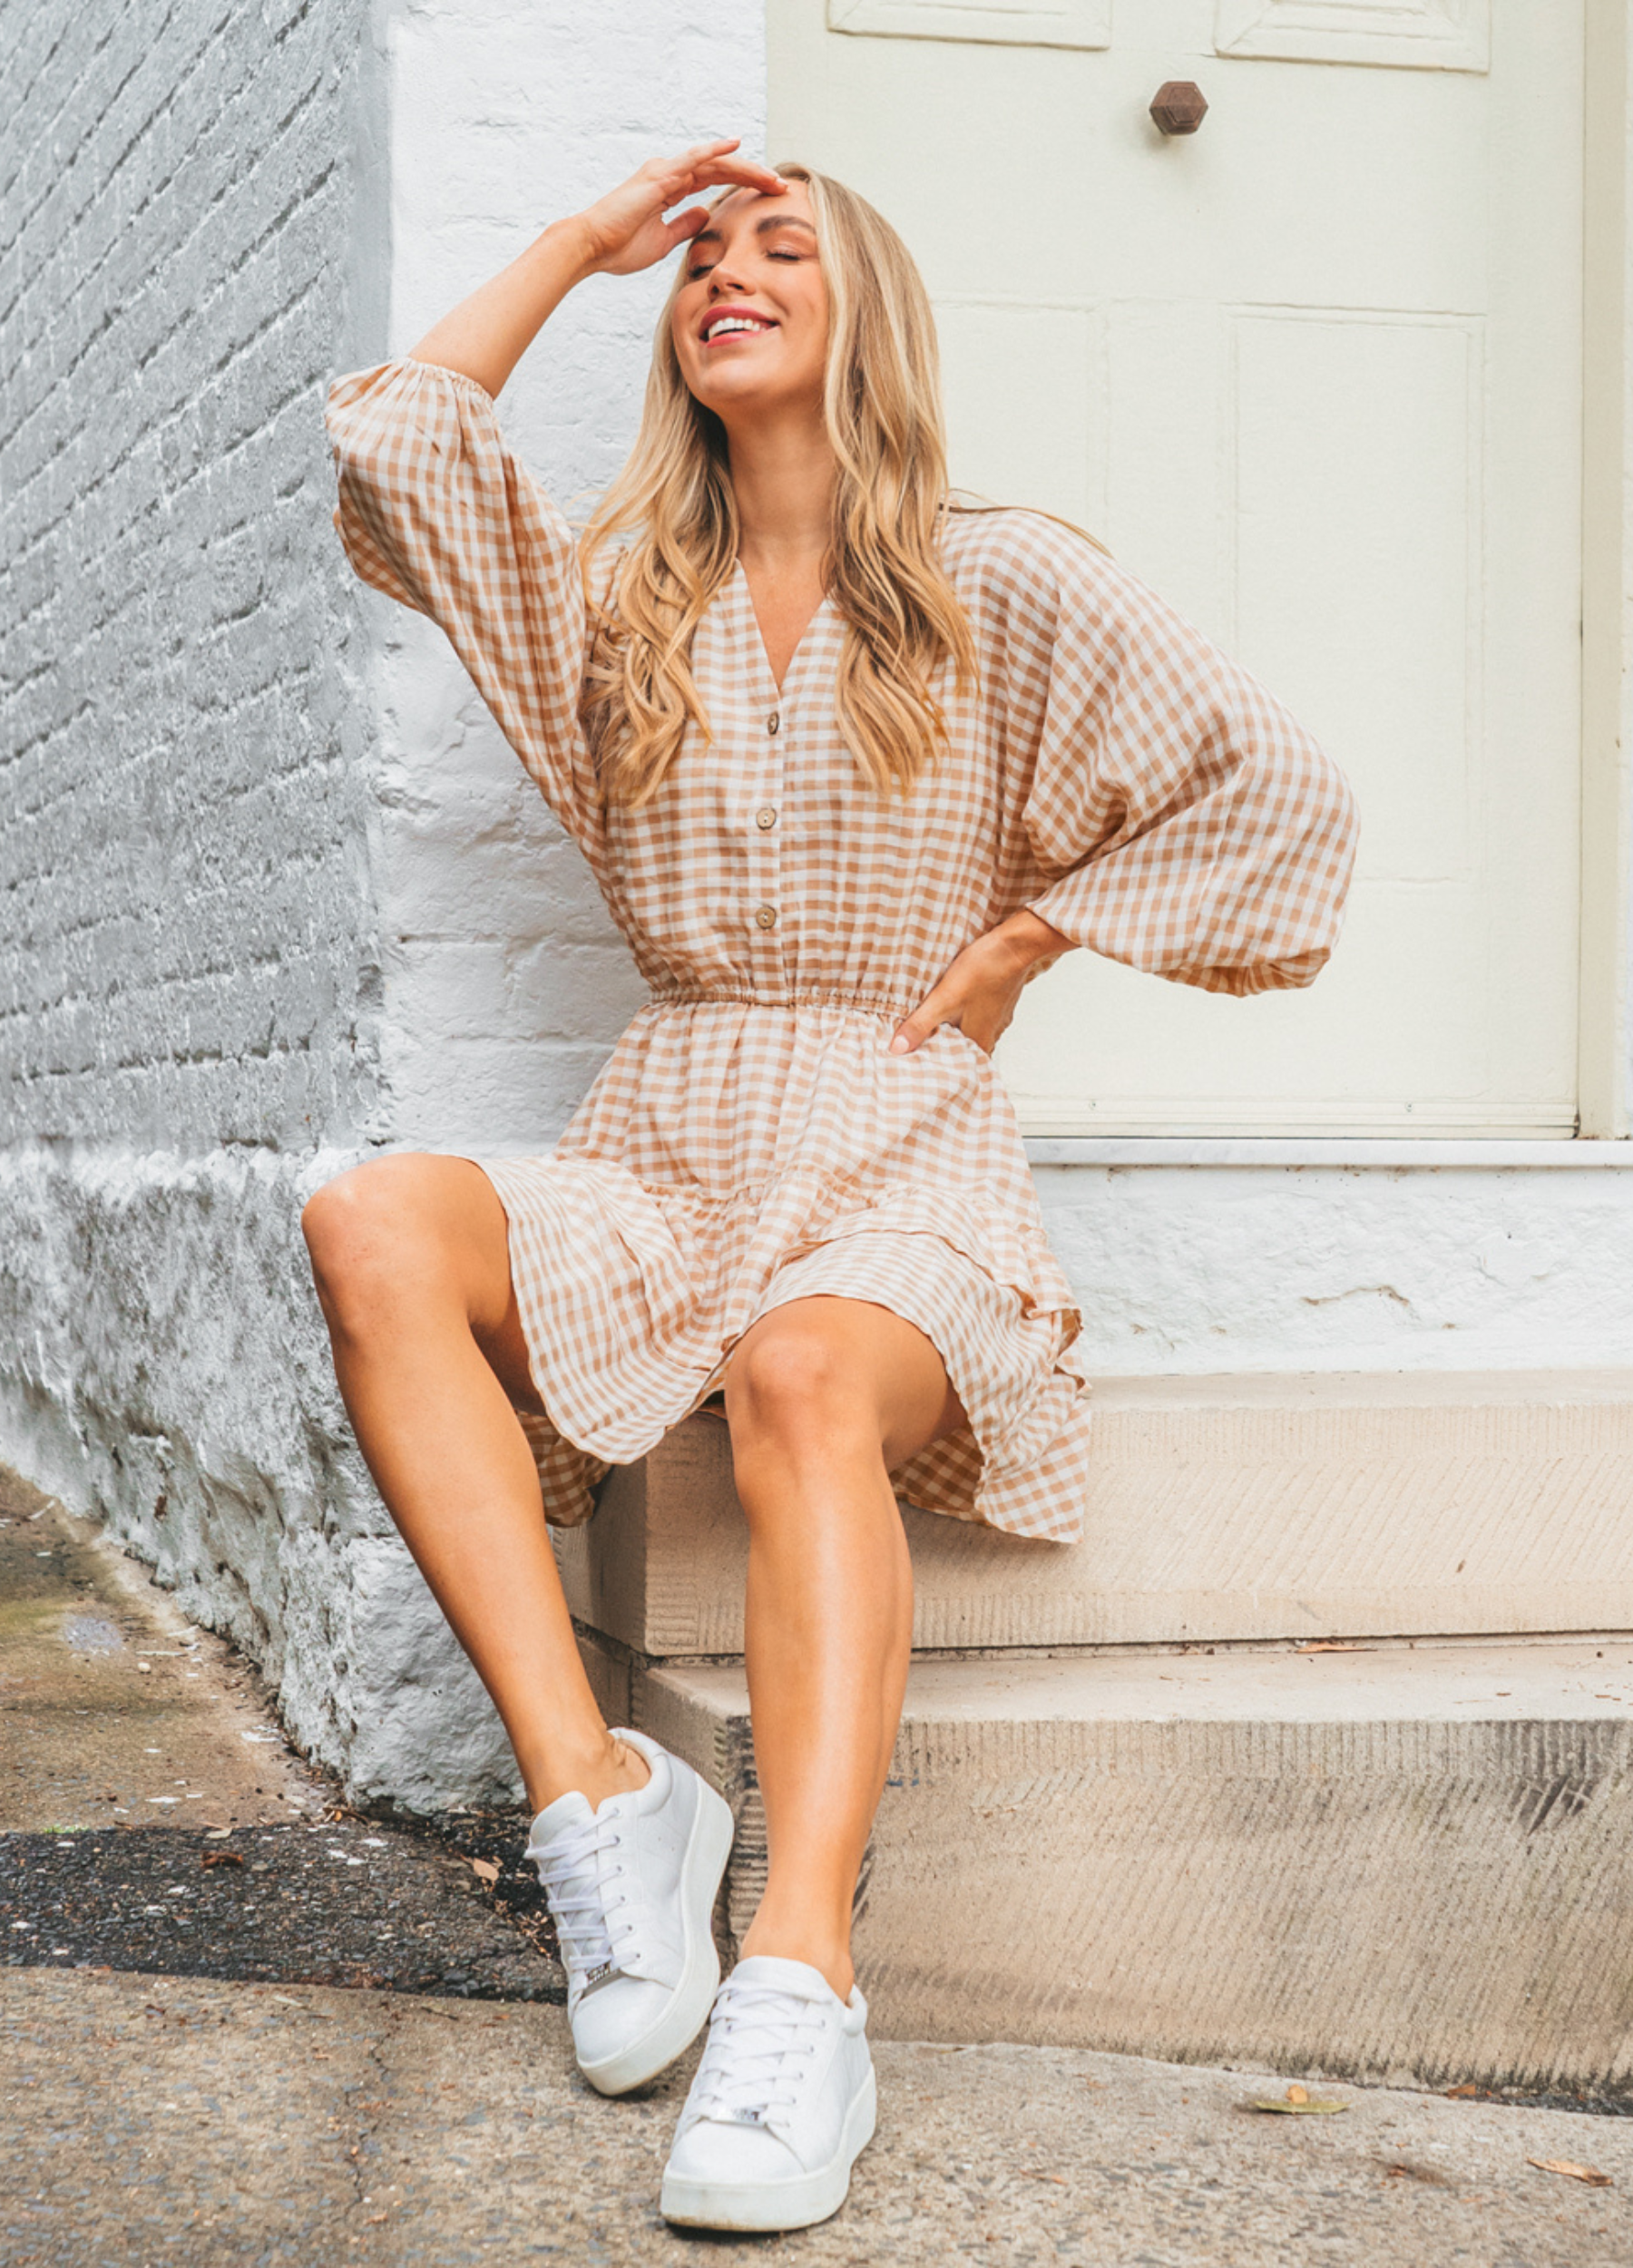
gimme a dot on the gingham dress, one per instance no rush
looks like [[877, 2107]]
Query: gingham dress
[[751, 1140]]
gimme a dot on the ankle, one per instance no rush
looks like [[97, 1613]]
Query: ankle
[[596, 1770], [819, 1950]]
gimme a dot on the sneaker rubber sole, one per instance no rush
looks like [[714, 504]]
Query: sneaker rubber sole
[[796, 2204], [707, 1851]]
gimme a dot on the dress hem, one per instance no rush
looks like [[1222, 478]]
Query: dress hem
[[970, 1475]]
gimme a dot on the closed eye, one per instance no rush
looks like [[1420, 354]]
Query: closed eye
[[704, 266]]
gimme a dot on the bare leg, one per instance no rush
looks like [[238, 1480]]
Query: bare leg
[[412, 1263], [824, 1396]]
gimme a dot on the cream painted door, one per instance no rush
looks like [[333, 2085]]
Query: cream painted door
[[1314, 373]]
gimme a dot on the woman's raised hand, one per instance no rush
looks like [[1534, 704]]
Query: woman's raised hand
[[625, 231], [487, 334]]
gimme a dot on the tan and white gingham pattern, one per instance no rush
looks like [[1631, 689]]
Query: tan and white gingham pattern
[[751, 1140]]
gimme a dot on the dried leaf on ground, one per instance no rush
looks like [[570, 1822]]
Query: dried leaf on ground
[[485, 1870], [1466, 2093], [1577, 2173], [1298, 2103], [1334, 1646], [220, 1858]]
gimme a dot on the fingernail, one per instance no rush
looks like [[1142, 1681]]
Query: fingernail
[[900, 1045]]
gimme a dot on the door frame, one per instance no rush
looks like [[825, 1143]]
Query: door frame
[[1602, 1068]]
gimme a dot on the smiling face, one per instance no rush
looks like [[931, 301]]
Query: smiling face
[[751, 316]]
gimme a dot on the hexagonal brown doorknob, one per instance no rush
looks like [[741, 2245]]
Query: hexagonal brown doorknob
[[1178, 107]]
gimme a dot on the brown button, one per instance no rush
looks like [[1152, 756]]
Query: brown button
[[765, 915], [772, 721], [766, 816]]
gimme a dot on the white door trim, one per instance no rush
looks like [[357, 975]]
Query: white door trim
[[1346, 1150], [1602, 1072]]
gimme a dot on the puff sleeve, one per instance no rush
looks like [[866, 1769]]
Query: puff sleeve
[[1184, 822], [436, 511]]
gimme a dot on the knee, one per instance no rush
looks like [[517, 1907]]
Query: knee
[[364, 1228], [795, 1385]]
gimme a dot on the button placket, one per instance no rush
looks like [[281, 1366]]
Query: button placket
[[765, 857]]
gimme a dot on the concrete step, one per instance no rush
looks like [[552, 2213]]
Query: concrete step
[[1219, 1509], [1406, 1863]]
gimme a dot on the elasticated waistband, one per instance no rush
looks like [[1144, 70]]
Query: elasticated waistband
[[792, 996]]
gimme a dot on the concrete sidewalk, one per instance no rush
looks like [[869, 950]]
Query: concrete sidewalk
[[191, 2122], [154, 2115]]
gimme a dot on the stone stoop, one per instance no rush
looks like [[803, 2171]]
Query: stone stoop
[[1414, 1864], [1408, 1857], [1219, 1507]]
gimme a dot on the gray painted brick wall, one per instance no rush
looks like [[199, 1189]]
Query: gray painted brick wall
[[185, 947], [194, 237]]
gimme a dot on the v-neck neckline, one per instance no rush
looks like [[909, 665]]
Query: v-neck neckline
[[779, 693]]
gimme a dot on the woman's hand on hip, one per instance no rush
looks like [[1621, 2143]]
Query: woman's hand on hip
[[978, 993], [625, 231]]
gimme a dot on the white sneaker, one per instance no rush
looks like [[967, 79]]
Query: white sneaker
[[781, 2108], [631, 1884]]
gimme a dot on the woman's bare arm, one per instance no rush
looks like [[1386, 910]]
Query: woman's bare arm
[[622, 232], [487, 335]]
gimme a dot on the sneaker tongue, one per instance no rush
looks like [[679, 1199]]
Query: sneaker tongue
[[567, 1811], [777, 1975]]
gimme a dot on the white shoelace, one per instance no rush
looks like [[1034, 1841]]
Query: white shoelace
[[759, 2044], [588, 1917]]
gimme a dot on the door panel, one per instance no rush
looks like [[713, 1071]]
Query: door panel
[[1399, 568], [1314, 374], [1029, 23], [1049, 457], [1414, 34]]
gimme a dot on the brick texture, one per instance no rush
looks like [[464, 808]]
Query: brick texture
[[184, 931], [505, 984]]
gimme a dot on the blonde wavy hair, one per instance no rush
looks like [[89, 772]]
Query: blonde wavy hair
[[674, 506]]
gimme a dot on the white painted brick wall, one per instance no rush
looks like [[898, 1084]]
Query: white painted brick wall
[[1203, 1268], [506, 983]]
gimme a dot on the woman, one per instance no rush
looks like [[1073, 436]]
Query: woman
[[849, 765]]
